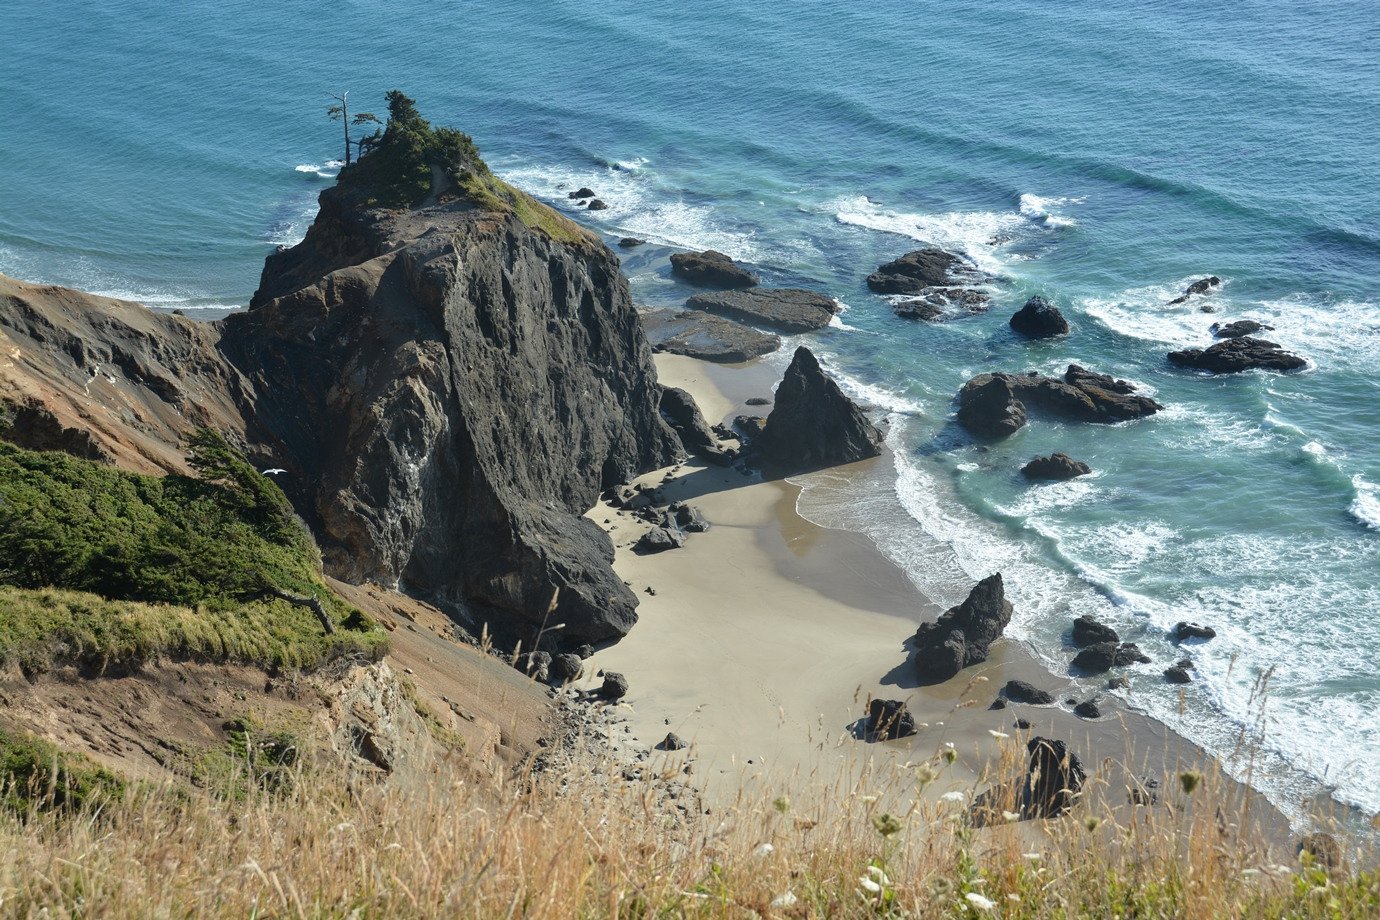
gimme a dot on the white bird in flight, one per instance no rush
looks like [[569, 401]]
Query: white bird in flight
[[274, 472]]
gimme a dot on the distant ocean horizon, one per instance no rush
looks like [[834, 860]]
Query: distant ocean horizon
[[1103, 156]]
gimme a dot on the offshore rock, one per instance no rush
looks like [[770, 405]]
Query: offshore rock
[[789, 310], [987, 408], [1202, 286], [701, 335], [1239, 328], [1089, 631], [1055, 467], [1184, 630], [813, 425], [919, 270], [711, 269], [962, 635], [1232, 356], [1039, 319], [1100, 657]]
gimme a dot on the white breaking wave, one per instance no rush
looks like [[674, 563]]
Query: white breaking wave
[[1365, 507], [329, 171], [976, 234], [1041, 209]]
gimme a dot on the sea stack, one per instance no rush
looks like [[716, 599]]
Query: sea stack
[[813, 425], [963, 634]]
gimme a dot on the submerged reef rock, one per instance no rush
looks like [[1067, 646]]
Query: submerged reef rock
[[994, 405], [701, 335]]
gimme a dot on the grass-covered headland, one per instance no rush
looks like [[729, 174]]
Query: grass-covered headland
[[100, 566], [399, 168]]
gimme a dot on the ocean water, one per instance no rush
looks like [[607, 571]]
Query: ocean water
[[1102, 154]]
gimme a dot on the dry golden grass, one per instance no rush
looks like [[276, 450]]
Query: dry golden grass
[[486, 848]]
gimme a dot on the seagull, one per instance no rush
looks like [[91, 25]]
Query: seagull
[[274, 472]]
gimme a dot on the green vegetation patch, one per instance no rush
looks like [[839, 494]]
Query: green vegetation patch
[[98, 564], [35, 774], [395, 170]]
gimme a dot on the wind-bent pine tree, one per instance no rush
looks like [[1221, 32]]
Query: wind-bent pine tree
[[341, 112]]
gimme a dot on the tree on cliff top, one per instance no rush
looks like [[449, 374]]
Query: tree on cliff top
[[396, 169], [341, 112]]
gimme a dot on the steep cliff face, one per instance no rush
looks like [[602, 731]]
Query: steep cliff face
[[448, 387], [459, 388]]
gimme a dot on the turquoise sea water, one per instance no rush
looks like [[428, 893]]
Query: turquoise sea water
[[1114, 152]]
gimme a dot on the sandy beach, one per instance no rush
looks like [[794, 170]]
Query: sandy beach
[[760, 642]]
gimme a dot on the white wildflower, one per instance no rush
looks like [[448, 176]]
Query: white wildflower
[[979, 901], [784, 900], [870, 885], [877, 873], [956, 797], [1011, 815], [765, 849], [996, 734]]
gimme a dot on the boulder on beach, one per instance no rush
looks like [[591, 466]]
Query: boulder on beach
[[672, 742], [707, 337], [536, 665], [988, 409], [687, 518], [683, 415], [1185, 630], [1231, 356], [963, 635], [1019, 691], [565, 668], [758, 401], [1039, 319], [1088, 709], [1054, 777], [615, 686], [630, 242], [1239, 328], [1201, 286], [659, 540], [789, 310], [813, 425], [1101, 657], [711, 269], [1089, 630], [889, 719], [1056, 467]]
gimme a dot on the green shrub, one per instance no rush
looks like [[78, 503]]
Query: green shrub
[[35, 774]]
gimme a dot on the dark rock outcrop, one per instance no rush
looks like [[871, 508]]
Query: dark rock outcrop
[[941, 304], [1039, 319], [687, 518], [1185, 630], [1231, 356], [789, 310], [449, 387], [1055, 467], [1239, 328], [1101, 657], [1177, 674], [813, 425], [1019, 691], [597, 205], [987, 406], [711, 269], [962, 635], [889, 719], [1054, 777], [683, 415], [920, 269], [630, 242], [1089, 631], [994, 404], [1088, 709], [1201, 286], [672, 742], [582, 192], [707, 337]]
